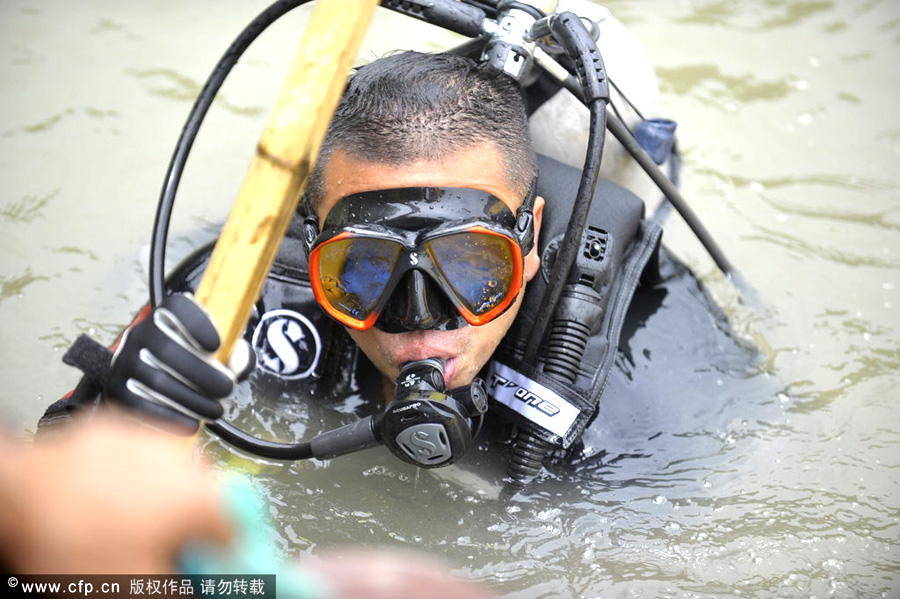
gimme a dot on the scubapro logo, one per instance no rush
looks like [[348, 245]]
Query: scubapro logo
[[425, 448], [287, 344]]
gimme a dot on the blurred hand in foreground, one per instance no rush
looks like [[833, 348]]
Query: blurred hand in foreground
[[112, 496]]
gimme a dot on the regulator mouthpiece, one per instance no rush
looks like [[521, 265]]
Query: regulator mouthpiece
[[426, 426]]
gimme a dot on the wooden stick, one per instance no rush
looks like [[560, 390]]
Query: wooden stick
[[286, 154]]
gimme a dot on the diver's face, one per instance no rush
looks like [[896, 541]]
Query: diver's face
[[465, 350]]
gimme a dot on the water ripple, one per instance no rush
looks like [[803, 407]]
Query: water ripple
[[879, 219], [753, 17], [11, 286], [851, 182], [169, 84], [28, 208], [809, 249], [707, 82]]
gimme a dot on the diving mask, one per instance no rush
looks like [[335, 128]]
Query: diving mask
[[419, 258]]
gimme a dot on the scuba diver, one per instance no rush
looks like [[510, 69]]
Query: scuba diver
[[434, 246]]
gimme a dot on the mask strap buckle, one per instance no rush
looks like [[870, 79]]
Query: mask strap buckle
[[525, 219], [310, 229]]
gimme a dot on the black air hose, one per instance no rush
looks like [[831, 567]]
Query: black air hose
[[579, 310], [526, 458], [565, 347], [565, 336]]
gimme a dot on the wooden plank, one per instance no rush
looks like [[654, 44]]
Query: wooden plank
[[285, 155]]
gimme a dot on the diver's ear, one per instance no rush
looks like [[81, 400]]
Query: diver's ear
[[533, 259]]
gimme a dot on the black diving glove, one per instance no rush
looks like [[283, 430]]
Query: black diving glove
[[165, 367]]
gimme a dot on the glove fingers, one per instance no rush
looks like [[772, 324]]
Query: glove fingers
[[164, 367], [180, 421], [209, 376], [164, 388], [194, 320]]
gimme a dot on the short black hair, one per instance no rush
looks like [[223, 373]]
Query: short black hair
[[417, 106]]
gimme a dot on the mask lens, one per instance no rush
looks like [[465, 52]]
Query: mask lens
[[354, 273], [480, 268]]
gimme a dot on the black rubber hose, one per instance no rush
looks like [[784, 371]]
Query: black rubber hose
[[528, 451], [526, 458], [259, 447], [621, 133], [459, 17], [572, 239], [668, 188], [527, 454]]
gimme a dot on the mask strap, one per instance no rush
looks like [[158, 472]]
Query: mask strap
[[528, 202]]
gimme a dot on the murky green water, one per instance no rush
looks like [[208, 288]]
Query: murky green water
[[786, 486]]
